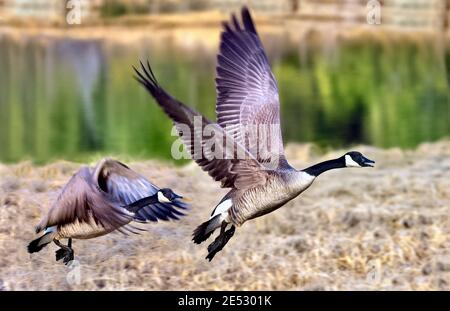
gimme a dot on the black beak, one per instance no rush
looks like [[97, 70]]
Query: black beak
[[176, 196], [367, 162]]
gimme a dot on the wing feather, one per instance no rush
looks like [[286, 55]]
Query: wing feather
[[127, 186], [221, 168], [247, 93], [81, 201]]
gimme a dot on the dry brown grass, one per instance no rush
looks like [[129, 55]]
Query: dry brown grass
[[383, 228]]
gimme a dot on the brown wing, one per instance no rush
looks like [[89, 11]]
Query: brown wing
[[81, 200], [234, 167], [248, 105]]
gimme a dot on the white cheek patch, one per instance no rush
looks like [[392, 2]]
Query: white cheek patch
[[349, 162], [162, 198], [222, 207]]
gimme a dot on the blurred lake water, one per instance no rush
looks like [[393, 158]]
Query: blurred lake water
[[71, 98]]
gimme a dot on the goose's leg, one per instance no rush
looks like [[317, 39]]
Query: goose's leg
[[216, 246], [61, 252], [220, 241], [70, 256], [229, 234], [65, 252]]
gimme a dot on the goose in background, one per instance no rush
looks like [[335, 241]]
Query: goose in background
[[247, 95], [99, 200]]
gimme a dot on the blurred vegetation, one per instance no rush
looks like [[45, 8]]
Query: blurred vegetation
[[393, 93], [115, 8], [368, 90]]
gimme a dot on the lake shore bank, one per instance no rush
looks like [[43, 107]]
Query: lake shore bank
[[202, 29]]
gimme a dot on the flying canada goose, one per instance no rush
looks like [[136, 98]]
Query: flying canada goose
[[99, 200], [247, 96]]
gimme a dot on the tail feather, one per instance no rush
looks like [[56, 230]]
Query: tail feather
[[38, 244], [204, 231]]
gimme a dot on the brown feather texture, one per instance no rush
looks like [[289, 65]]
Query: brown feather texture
[[226, 169], [94, 202]]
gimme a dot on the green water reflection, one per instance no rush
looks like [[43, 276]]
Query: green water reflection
[[71, 99]]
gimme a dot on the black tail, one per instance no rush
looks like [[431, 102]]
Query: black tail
[[38, 244], [200, 234], [204, 231]]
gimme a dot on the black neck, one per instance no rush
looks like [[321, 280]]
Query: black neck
[[321, 167], [137, 205]]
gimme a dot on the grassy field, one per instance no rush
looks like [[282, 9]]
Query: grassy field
[[383, 228]]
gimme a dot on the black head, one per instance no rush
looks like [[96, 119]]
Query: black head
[[166, 195], [356, 159]]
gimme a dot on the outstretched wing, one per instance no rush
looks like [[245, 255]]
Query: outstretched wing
[[81, 202], [215, 152], [248, 106], [126, 186]]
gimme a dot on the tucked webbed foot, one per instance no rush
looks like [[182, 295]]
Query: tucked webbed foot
[[65, 252], [220, 242], [67, 255]]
